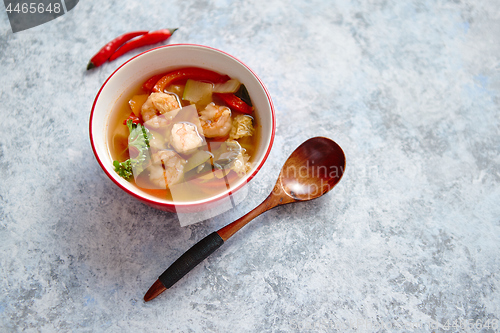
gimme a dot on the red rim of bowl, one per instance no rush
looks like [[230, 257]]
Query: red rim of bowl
[[187, 203]]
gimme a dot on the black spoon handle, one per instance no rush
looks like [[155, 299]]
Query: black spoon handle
[[189, 260]]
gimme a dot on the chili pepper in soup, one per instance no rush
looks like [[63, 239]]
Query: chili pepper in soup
[[179, 140]]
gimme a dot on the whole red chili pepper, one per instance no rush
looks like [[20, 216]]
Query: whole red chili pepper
[[108, 49], [194, 73], [147, 39], [235, 103]]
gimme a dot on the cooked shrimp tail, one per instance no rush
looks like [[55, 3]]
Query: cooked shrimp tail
[[215, 121]]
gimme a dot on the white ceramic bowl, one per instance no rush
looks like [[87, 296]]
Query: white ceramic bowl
[[160, 60]]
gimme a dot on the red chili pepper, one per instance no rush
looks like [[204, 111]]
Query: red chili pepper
[[134, 118], [194, 73], [235, 103], [108, 49], [147, 39], [150, 83]]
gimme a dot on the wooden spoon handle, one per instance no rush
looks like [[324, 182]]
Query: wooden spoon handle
[[231, 228], [205, 247]]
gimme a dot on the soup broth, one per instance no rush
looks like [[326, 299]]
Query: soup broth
[[185, 135]]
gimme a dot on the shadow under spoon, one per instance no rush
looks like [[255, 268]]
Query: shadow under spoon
[[312, 170]]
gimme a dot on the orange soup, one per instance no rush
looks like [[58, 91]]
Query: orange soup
[[185, 135]]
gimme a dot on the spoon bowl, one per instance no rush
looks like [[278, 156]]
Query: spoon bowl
[[312, 170]]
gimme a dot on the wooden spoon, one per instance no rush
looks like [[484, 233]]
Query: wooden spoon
[[313, 169]]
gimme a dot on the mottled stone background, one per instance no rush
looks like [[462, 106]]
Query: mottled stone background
[[408, 241]]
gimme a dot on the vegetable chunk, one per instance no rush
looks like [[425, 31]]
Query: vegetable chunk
[[242, 126]]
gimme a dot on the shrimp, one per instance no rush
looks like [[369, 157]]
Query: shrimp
[[158, 110], [166, 168], [215, 121], [185, 138]]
